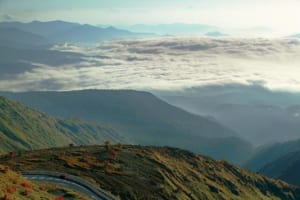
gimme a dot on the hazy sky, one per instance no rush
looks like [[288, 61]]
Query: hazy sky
[[281, 15]]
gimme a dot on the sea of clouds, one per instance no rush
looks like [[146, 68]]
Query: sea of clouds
[[169, 63]]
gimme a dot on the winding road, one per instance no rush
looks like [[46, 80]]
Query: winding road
[[68, 181]]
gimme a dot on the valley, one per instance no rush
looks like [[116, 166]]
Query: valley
[[143, 119]]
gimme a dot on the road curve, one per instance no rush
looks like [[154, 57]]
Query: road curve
[[68, 181]]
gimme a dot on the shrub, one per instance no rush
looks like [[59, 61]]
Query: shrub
[[25, 185], [113, 154], [107, 145], [10, 189], [5, 197], [26, 192]]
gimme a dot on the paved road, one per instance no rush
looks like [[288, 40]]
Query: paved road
[[68, 181]]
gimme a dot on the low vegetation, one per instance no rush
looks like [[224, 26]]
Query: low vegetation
[[135, 172], [14, 187]]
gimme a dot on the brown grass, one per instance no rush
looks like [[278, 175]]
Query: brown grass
[[135, 172]]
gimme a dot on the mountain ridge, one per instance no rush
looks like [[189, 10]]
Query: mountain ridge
[[137, 172], [143, 118], [63, 32], [270, 153], [23, 128], [285, 168]]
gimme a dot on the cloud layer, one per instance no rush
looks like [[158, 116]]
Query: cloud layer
[[170, 63]]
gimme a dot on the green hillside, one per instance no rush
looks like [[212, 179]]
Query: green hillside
[[136, 172], [24, 128], [143, 118]]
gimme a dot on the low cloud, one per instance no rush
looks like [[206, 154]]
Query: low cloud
[[170, 64]]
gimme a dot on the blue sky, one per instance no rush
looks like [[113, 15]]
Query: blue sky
[[281, 15]]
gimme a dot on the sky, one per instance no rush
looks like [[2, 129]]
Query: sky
[[279, 15]]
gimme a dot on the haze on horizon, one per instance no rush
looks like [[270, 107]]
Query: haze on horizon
[[281, 16], [165, 63]]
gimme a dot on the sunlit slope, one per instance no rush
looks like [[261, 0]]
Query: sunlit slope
[[143, 118], [24, 128], [136, 172]]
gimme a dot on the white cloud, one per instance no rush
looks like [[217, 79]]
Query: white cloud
[[171, 63]]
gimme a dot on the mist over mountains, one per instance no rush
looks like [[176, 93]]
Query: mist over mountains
[[247, 72], [149, 100], [189, 29], [172, 29], [258, 114], [143, 119]]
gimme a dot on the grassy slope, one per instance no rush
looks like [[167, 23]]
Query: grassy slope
[[25, 128], [14, 187], [135, 172], [144, 119]]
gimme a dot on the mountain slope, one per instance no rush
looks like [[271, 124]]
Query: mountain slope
[[260, 115], [89, 34], [15, 61], [285, 168], [143, 118], [13, 37], [24, 128], [270, 153], [135, 172], [14, 186], [45, 29]]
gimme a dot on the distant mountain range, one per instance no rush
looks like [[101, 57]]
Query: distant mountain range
[[285, 168], [215, 34], [279, 160], [18, 60], [17, 38], [258, 114], [172, 29], [144, 119], [270, 153], [194, 29], [42, 33], [22, 128], [22, 45]]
